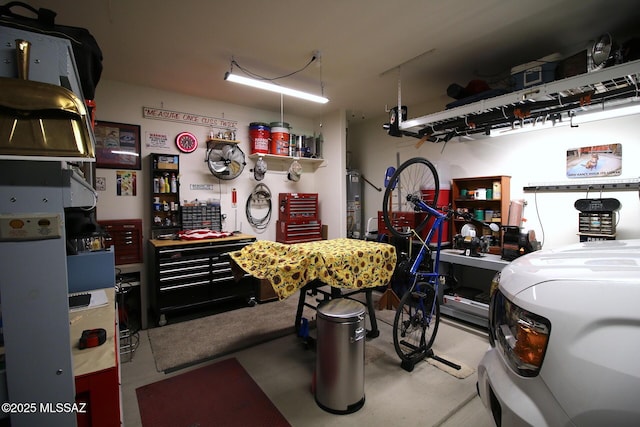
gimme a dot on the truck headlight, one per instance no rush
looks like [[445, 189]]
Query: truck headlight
[[520, 335]]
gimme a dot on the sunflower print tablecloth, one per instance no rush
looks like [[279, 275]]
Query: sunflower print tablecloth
[[341, 263]]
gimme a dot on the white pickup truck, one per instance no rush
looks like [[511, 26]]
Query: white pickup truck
[[564, 330]]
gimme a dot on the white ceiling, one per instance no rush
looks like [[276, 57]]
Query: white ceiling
[[367, 46]]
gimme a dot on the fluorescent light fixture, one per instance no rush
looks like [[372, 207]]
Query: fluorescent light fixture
[[580, 118], [528, 127], [592, 116], [274, 88]]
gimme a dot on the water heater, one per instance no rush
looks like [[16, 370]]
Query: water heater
[[354, 204]]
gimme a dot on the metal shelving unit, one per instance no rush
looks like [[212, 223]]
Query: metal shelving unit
[[481, 269], [573, 96], [165, 214]]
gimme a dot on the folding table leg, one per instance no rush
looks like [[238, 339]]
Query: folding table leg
[[374, 332]]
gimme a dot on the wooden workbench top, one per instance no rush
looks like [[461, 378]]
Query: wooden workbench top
[[164, 243]]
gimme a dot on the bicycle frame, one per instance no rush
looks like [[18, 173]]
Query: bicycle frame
[[419, 289], [415, 326], [431, 277]]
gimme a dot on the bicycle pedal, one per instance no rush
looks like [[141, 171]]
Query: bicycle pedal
[[417, 294]]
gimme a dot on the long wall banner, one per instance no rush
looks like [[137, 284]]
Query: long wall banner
[[190, 118]]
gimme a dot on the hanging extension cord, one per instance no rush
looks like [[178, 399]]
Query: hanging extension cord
[[259, 198]]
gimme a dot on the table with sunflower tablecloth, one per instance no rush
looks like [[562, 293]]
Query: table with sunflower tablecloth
[[346, 265]]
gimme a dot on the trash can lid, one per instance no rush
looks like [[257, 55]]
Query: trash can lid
[[341, 308]]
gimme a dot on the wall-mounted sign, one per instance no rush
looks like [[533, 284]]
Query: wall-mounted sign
[[156, 140], [594, 161], [101, 183], [190, 118], [207, 187]]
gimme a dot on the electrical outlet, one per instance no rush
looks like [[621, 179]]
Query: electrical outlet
[[30, 226]]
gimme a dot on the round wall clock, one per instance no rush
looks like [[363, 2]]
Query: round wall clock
[[186, 142]]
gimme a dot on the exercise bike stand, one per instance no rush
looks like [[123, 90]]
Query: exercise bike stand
[[408, 365]]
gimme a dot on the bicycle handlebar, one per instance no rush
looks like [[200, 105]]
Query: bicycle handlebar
[[420, 205]]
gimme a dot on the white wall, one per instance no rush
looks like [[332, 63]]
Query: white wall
[[330, 181], [533, 157], [117, 102]]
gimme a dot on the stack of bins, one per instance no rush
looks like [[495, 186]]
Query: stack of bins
[[202, 215]]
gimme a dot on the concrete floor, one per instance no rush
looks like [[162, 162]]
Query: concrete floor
[[283, 368]]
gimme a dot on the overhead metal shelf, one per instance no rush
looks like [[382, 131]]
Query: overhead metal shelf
[[574, 95]]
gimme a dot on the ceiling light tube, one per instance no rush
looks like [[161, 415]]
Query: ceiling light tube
[[528, 127], [274, 88], [592, 116]]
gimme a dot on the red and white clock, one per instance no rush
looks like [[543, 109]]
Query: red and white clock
[[186, 142]]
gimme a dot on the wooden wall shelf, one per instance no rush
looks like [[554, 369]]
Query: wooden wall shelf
[[282, 163]]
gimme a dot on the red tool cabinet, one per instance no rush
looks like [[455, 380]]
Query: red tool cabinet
[[298, 219]]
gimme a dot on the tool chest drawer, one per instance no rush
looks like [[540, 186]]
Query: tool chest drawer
[[298, 232]]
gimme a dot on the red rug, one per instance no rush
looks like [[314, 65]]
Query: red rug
[[221, 394]]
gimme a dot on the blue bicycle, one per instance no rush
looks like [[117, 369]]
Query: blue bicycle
[[413, 188]]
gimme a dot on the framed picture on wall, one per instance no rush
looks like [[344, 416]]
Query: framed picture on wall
[[117, 145], [594, 161]]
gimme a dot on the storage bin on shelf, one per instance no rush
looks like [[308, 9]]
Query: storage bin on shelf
[[200, 215], [535, 73]]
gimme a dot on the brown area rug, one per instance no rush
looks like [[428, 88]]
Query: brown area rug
[[184, 344], [221, 394]]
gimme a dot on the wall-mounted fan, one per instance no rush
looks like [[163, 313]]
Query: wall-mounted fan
[[225, 160], [604, 53]]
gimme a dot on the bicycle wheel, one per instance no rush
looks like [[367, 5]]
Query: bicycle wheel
[[415, 177], [416, 323]]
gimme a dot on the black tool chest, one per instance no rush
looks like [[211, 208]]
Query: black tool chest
[[188, 275]]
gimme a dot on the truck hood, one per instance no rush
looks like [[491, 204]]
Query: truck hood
[[610, 260]]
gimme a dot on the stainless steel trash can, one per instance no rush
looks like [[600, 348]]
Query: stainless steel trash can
[[340, 356]]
